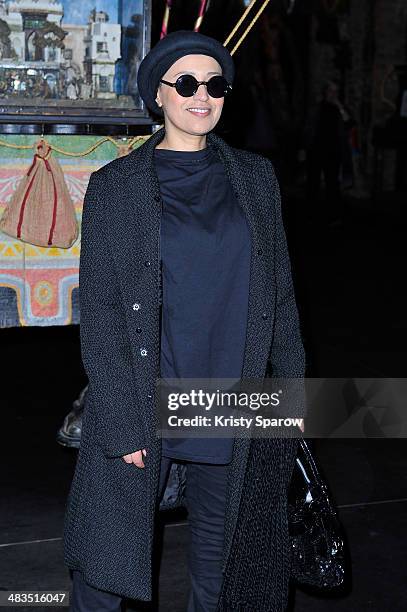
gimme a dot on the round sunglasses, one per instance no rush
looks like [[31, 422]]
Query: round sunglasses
[[186, 86]]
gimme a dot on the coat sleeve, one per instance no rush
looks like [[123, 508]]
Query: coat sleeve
[[287, 355], [105, 347]]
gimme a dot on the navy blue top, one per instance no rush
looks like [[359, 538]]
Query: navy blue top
[[205, 251]]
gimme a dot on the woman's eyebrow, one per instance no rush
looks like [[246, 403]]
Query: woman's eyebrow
[[190, 72]]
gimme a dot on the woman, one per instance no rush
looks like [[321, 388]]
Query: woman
[[184, 272]]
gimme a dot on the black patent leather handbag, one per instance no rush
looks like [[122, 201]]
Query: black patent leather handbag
[[316, 534]]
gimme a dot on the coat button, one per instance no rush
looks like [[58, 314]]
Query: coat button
[[143, 352], [147, 263], [265, 315], [138, 330], [136, 306], [149, 395]]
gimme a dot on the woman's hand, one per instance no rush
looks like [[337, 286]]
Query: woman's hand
[[136, 458]]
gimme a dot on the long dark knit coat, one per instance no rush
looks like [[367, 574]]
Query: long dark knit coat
[[108, 532]]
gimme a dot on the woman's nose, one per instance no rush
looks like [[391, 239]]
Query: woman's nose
[[201, 93]]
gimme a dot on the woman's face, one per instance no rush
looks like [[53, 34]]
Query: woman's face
[[178, 111]]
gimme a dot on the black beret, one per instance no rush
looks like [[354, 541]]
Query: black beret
[[167, 51]]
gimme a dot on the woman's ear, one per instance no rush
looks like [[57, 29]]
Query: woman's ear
[[157, 98]]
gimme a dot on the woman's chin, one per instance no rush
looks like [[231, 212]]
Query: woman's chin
[[194, 126], [200, 126]]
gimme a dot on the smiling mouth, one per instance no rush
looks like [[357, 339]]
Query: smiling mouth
[[199, 111]]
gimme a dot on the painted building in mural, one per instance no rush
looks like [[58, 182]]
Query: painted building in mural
[[42, 57], [102, 51]]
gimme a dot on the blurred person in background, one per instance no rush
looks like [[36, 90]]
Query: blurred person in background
[[328, 154]]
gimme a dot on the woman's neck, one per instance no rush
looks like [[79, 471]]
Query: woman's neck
[[188, 142]]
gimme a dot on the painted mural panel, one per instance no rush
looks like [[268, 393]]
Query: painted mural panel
[[39, 285], [71, 56]]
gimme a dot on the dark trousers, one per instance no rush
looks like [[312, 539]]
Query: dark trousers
[[206, 499]]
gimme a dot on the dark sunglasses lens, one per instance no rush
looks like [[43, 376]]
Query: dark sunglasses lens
[[186, 85], [217, 87]]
